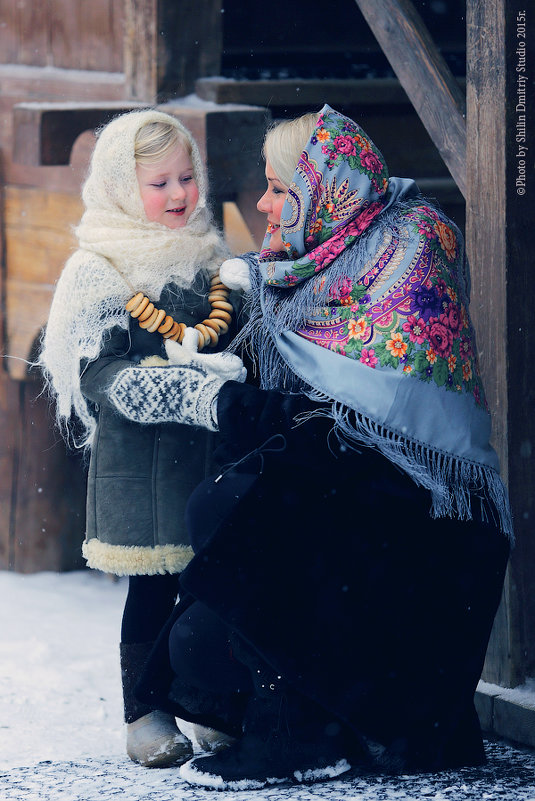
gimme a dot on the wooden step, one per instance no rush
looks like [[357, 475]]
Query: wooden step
[[296, 92], [381, 92]]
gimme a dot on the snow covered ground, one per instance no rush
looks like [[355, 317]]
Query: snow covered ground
[[61, 730]]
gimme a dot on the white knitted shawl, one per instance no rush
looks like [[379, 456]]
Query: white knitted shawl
[[120, 253]]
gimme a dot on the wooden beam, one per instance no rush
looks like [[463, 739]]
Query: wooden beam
[[303, 92], [191, 45], [140, 50], [486, 247], [500, 212], [424, 75], [168, 45], [46, 132]]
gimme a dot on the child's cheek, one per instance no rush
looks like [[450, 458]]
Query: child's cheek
[[153, 206]]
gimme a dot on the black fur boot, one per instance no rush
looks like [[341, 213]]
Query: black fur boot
[[286, 738]]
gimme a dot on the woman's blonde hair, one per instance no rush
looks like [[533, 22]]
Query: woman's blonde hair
[[155, 140], [285, 142]]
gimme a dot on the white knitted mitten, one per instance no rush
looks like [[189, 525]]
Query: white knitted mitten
[[167, 394], [227, 366], [235, 274]]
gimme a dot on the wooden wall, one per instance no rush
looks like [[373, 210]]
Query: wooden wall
[[60, 51], [66, 34]]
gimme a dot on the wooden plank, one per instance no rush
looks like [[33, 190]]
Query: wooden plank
[[71, 34], [520, 331], [500, 213], [38, 241], [8, 411], [48, 498], [44, 133], [140, 54], [32, 28], [307, 93], [27, 309], [9, 34], [246, 201], [30, 210], [237, 234], [42, 487], [34, 84], [100, 36], [23, 83], [486, 247], [424, 75], [85, 36], [64, 32], [9, 406], [116, 26]]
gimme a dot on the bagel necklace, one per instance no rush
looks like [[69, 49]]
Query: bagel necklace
[[156, 320]]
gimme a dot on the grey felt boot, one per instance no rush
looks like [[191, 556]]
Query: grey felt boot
[[152, 736], [211, 740]]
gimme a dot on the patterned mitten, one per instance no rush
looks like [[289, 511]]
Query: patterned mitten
[[227, 366], [167, 394]]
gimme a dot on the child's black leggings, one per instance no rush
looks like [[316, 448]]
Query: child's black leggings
[[149, 602]]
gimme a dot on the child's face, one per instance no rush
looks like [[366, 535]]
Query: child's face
[[168, 189]]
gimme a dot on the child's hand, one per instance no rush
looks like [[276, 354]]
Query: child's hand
[[234, 273], [153, 361], [171, 394], [226, 366]]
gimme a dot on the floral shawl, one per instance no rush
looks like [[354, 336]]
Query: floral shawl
[[377, 278]]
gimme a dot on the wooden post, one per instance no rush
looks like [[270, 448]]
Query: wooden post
[[192, 44], [141, 50], [500, 215], [168, 45], [424, 75]]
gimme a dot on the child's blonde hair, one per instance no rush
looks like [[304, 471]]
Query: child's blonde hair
[[156, 140], [285, 142]]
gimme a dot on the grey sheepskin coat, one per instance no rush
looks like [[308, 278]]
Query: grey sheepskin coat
[[140, 476]]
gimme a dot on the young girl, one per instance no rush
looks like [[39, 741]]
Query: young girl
[[145, 235]]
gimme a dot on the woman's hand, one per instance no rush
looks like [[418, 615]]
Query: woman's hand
[[227, 366], [234, 273]]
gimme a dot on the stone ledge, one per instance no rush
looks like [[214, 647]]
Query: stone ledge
[[506, 713]]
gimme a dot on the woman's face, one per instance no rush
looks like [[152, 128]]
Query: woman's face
[[271, 203]]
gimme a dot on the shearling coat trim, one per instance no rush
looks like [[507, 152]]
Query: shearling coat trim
[[136, 560]]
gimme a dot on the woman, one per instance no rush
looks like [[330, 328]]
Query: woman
[[350, 557]]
